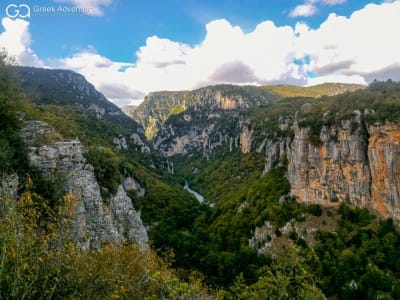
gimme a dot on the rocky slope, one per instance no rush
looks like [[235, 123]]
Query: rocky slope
[[315, 91], [69, 90], [200, 121], [206, 103], [98, 220], [129, 109]]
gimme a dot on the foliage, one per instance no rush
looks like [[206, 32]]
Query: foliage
[[360, 261], [327, 89], [286, 278], [39, 260], [214, 240], [12, 153], [107, 168]]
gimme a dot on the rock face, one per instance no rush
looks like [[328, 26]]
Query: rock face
[[9, 186], [98, 220], [384, 163], [359, 166], [201, 121], [336, 171]]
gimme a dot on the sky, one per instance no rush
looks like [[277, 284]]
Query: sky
[[128, 48]]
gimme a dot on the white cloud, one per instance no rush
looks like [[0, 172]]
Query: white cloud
[[162, 53], [358, 45], [92, 7], [309, 7], [333, 2], [304, 10], [16, 40]]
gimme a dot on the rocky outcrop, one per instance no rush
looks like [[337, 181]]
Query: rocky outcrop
[[136, 140], [355, 163], [9, 186], [125, 218], [336, 171], [245, 139], [98, 220], [384, 164], [120, 143]]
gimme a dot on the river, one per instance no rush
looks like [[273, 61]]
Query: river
[[199, 197]]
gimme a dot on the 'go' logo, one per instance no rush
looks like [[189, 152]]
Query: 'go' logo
[[22, 10]]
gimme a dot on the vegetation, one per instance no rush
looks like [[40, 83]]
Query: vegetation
[[316, 91], [12, 153], [39, 259]]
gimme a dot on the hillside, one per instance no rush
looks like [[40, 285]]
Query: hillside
[[129, 109], [316, 91]]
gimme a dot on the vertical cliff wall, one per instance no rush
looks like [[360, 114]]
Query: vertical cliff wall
[[354, 163], [384, 164]]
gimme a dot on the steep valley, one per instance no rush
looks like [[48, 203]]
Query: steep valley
[[293, 180]]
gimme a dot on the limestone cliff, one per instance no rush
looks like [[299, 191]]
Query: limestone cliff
[[359, 166], [212, 118], [384, 164], [98, 220]]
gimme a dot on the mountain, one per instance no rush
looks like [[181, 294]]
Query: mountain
[[64, 88], [158, 107]]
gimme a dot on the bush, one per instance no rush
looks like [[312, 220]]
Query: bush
[[40, 260], [315, 210]]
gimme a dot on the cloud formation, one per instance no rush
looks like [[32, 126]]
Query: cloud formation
[[357, 49], [304, 10], [309, 7], [16, 40]]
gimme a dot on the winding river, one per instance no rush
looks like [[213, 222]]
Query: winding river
[[199, 197]]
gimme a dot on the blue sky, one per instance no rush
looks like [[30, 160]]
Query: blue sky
[[129, 48]]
